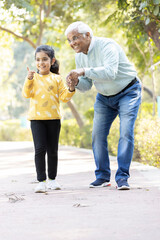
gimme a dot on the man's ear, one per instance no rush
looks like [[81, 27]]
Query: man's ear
[[88, 34], [53, 61]]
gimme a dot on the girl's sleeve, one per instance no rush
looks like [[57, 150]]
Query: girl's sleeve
[[27, 90], [64, 94]]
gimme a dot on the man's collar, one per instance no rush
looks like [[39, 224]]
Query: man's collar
[[91, 44]]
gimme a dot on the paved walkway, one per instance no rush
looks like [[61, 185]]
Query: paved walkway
[[76, 212]]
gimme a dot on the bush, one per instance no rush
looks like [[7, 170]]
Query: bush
[[11, 130], [72, 135], [146, 110], [147, 134], [147, 141], [113, 138]]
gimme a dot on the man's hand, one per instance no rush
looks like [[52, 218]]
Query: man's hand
[[30, 74], [72, 78]]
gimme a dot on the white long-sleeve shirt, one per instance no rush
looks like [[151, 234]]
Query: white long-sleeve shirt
[[106, 66]]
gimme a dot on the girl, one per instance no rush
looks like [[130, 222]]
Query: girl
[[45, 88]]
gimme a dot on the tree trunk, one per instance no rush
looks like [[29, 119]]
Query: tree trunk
[[75, 113], [152, 31], [147, 90], [152, 76]]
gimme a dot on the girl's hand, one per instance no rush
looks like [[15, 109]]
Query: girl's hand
[[70, 84], [72, 78], [30, 74]]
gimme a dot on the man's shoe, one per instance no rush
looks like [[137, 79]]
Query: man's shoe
[[41, 187], [53, 184], [122, 184], [100, 183]]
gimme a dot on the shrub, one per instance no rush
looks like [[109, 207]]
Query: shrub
[[147, 141], [72, 135], [146, 110], [113, 138], [147, 134], [11, 130]]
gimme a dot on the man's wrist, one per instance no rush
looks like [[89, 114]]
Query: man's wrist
[[82, 72]]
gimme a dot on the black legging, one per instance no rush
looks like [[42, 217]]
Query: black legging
[[46, 137]]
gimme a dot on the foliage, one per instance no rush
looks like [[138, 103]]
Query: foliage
[[31, 23], [89, 115], [146, 110], [139, 20], [113, 138], [40, 21], [136, 14], [147, 134], [72, 135], [147, 141], [11, 130], [37, 22]]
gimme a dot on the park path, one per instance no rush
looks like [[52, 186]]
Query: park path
[[76, 212]]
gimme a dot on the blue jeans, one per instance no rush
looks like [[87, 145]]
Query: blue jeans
[[106, 109]]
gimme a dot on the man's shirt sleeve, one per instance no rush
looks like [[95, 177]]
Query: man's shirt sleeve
[[85, 83]]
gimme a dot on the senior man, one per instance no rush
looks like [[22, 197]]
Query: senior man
[[102, 62]]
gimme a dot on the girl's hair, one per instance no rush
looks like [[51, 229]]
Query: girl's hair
[[50, 52]]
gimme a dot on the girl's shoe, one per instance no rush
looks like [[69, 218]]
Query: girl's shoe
[[41, 187], [53, 184]]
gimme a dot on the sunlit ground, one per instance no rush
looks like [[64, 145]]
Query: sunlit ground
[[17, 158]]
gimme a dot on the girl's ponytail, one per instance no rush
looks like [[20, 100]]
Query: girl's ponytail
[[55, 67]]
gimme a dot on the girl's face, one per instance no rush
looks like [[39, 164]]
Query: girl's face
[[43, 63]]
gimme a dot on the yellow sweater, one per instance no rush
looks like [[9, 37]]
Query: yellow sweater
[[44, 92]]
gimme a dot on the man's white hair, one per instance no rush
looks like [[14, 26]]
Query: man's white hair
[[80, 27]]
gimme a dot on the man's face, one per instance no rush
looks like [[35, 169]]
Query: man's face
[[78, 41]]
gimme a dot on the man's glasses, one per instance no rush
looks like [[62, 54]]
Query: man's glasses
[[75, 38]]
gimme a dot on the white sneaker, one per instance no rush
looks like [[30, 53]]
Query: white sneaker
[[41, 187], [53, 184]]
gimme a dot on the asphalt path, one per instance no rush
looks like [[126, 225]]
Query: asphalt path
[[76, 212]]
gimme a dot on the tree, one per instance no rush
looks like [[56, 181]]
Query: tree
[[141, 15], [45, 21], [140, 20], [31, 21]]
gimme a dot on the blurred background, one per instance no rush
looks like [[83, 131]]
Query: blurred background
[[134, 24]]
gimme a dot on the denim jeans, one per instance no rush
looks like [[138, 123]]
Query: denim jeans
[[46, 136], [106, 109]]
